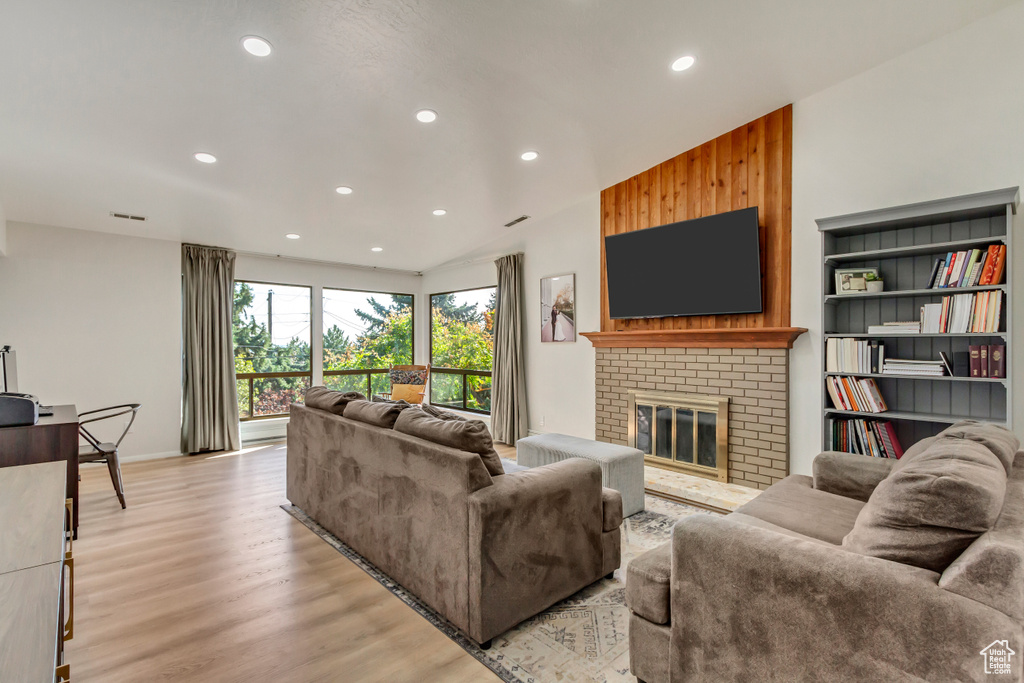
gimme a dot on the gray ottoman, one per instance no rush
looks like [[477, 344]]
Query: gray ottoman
[[622, 467]]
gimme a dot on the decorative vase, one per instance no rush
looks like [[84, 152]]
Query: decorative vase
[[875, 286]]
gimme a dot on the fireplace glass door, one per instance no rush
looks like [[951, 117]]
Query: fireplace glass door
[[680, 431]]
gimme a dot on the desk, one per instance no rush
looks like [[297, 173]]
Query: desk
[[54, 437]]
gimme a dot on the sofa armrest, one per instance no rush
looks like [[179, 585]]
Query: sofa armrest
[[534, 539], [750, 603], [848, 474]]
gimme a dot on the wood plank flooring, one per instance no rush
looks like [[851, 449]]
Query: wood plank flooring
[[204, 578]]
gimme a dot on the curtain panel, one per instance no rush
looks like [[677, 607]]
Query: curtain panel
[[508, 393], [210, 406]]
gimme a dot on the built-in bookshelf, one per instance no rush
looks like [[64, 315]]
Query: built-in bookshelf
[[904, 244]]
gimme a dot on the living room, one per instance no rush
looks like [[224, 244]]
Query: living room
[[364, 153]]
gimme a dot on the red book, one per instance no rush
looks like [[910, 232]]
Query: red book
[[997, 273], [891, 431], [990, 264], [997, 360], [975, 360], [948, 280], [983, 364]]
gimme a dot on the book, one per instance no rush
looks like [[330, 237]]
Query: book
[[935, 273], [1000, 265], [950, 265], [971, 260], [997, 360], [897, 449], [875, 366], [979, 269], [961, 364], [983, 362], [873, 438], [975, 351], [990, 264], [930, 317], [946, 362]]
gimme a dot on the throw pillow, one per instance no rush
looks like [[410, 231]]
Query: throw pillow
[[379, 414], [434, 411], [465, 435], [329, 400], [927, 512]]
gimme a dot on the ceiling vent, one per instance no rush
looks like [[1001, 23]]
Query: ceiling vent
[[516, 221], [127, 216]]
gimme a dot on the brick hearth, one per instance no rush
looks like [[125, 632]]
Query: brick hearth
[[755, 380]]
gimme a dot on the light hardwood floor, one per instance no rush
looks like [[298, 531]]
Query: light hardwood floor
[[205, 578]]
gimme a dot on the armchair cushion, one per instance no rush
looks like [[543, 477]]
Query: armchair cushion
[[795, 504], [849, 475], [331, 401], [647, 584], [465, 435], [928, 511], [611, 504]]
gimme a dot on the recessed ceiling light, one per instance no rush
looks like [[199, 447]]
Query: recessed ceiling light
[[256, 46], [426, 116], [439, 212], [205, 157], [554, 278], [293, 236], [683, 63], [529, 156], [376, 248], [343, 189]]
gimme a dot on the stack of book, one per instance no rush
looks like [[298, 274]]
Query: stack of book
[[971, 268], [988, 360], [850, 393], [908, 327], [963, 313], [866, 437], [856, 356], [915, 368]]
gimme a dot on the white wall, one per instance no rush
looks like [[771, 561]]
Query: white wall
[[560, 381], [96, 321], [943, 120], [3, 231]]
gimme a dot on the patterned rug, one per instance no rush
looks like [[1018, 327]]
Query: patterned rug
[[584, 638]]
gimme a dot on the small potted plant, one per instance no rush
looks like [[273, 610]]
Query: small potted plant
[[874, 282]]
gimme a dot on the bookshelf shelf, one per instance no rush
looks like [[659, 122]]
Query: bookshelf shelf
[[904, 243], [941, 378], [943, 291], [912, 250]]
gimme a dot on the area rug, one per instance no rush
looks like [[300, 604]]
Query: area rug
[[584, 638]]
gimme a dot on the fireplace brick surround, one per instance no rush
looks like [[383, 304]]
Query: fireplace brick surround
[[756, 380]]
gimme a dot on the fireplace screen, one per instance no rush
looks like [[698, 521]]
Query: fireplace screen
[[681, 431]]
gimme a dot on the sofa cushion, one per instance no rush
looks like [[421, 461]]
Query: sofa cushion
[[795, 504], [611, 504], [647, 584], [323, 398], [440, 414], [379, 414], [465, 435], [927, 512], [998, 439]]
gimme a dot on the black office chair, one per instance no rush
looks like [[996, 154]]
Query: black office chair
[[105, 451]]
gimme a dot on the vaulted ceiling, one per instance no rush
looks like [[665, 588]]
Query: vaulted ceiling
[[104, 103]]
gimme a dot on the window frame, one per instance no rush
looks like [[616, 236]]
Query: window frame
[[252, 376], [369, 372], [457, 371]]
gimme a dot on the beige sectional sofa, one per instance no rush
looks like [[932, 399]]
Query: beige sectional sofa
[[485, 551], [872, 570]]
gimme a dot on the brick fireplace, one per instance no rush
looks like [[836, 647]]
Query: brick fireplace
[[756, 381]]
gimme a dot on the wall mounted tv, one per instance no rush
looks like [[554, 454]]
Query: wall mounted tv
[[704, 266]]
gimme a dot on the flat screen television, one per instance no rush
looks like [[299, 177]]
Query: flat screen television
[[704, 266]]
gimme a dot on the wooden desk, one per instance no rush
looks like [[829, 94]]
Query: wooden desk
[[54, 437]]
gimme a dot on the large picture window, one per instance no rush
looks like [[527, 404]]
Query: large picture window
[[365, 333], [272, 347], [462, 348]]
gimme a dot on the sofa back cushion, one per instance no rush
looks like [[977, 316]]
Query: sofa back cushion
[[371, 412], [454, 431], [996, 438], [331, 401], [929, 510]]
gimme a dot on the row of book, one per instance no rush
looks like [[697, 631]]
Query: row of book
[[971, 268], [850, 393], [857, 356], [961, 313], [987, 360], [875, 438]]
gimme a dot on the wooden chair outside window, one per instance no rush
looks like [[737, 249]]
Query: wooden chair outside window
[[409, 382]]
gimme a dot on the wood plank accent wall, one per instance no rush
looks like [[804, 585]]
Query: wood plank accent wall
[[750, 166]]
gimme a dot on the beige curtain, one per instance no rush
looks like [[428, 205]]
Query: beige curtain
[[508, 392], [210, 408]]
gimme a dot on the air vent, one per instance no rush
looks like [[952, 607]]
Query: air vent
[[127, 216], [515, 221]]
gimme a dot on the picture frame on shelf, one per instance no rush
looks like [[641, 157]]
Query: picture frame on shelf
[[854, 280]]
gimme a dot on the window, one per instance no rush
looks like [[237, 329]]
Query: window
[[365, 333], [462, 348], [272, 347]]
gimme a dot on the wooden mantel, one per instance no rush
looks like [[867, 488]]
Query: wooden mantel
[[711, 338]]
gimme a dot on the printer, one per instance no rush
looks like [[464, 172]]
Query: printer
[[17, 410]]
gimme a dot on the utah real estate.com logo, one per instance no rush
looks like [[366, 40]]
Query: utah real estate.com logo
[[997, 657]]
